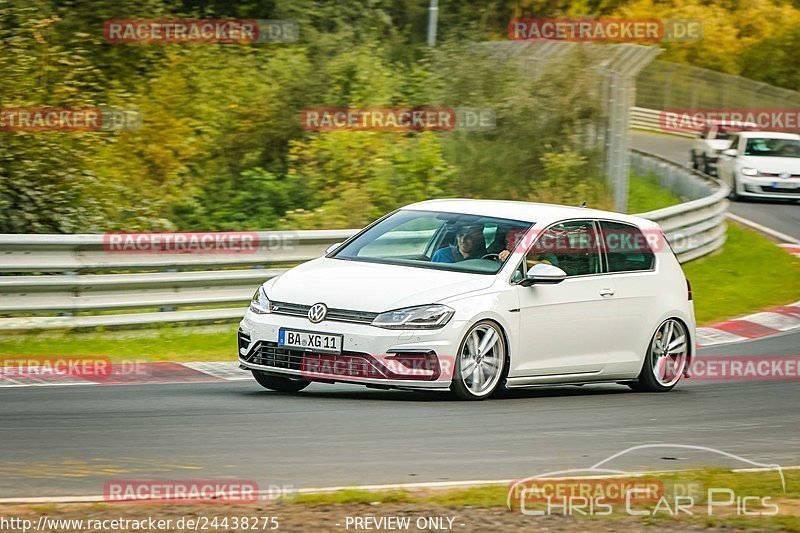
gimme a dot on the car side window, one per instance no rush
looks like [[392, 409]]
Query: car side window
[[626, 248], [571, 246]]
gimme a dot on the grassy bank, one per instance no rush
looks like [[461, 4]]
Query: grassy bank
[[646, 194], [748, 275], [759, 485], [485, 508]]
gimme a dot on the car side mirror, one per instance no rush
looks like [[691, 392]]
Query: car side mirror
[[730, 152], [543, 274], [332, 247]]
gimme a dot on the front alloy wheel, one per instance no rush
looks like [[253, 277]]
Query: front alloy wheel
[[666, 359], [480, 362]]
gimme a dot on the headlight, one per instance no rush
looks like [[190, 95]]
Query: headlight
[[421, 317], [747, 171], [260, 304]]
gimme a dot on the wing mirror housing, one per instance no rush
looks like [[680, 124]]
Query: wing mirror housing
[[730, 152], [543, 274]]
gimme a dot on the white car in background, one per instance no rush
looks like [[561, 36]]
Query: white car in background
[[762, 164], [471, 296], [715, 138]]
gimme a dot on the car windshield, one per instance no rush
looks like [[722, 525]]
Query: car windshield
[[444, 241], [768, 147]]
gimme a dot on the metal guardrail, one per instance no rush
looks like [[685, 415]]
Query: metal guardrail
[[160, 283], [61, 271], [650, 120], [694, 228]]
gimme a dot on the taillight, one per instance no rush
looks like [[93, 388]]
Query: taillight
[[688, 290]]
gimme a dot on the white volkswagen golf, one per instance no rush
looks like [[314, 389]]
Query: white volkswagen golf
[[471, 296]]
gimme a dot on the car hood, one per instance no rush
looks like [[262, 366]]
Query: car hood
[[373, 287], [772, 165]]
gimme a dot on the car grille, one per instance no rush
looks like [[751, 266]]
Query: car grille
[[340, 367], [778, 190], [337, 315], [777, 175]]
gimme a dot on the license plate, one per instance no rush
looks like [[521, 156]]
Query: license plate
[[315, 342], [783, 185]]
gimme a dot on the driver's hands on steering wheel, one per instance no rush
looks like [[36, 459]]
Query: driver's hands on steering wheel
[[503, 255]]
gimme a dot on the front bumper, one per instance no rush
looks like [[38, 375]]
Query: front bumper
[[769, 187], [372, 356]]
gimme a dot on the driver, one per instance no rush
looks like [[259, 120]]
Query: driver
[[469, 244]]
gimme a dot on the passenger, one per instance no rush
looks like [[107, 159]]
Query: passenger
[[469, 244], [512, 241]]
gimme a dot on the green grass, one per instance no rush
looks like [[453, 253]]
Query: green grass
[[765, 483], [748, 275], [743, 484], [646, 194], [165, 343]]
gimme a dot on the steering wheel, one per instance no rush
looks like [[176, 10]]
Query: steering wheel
[[496, 257]]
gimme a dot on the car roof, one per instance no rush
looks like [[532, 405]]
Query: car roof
[[522, 211], [769, 135]]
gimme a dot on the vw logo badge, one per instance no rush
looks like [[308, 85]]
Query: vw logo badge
[[785, 175], [317, 313]]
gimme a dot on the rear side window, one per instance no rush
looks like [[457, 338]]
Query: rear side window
[[626, 248], [572, 246]]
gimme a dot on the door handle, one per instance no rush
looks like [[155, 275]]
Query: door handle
[[607, 292]]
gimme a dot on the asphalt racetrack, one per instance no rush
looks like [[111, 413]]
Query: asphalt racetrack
[[70, 440]]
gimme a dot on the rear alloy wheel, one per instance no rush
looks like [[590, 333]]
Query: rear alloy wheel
[[278, 383], [666, 358], [480, 362]]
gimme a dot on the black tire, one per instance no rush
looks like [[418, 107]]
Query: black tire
[[647, 382], [458, 386], [695, 164], [278, 383]]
